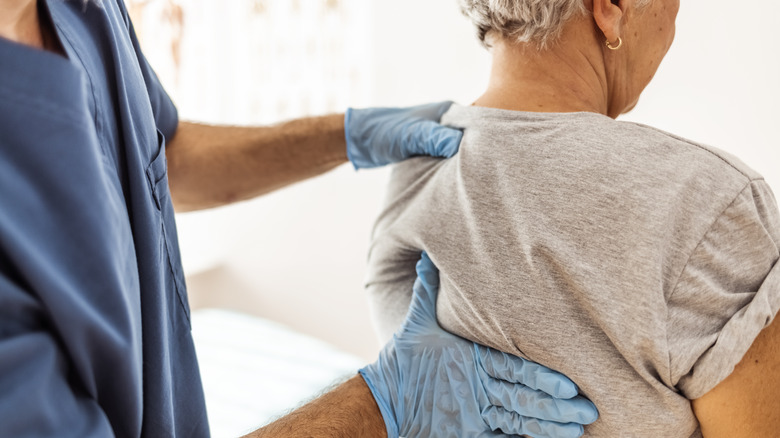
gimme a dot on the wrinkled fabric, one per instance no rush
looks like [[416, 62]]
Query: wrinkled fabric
[[430, 383]]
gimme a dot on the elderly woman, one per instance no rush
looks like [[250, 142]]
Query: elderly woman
[[640, 264]]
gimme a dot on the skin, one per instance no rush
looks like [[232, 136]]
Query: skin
[[349, 411], [211, 166], [746, 403], [19, 22], [581, 74]]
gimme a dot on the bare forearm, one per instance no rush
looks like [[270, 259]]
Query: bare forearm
[[210, 166], [347, 411]]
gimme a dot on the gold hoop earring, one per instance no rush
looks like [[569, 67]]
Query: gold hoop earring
[[620, 44]]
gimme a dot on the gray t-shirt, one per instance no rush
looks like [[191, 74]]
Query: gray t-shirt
[[639, 264]]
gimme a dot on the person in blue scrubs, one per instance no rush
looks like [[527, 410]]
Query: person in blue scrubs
[[94, 320]]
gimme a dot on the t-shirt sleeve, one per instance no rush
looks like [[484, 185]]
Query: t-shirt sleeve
[[728, 292], [166, 115]]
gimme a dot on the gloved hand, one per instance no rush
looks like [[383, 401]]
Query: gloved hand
[[380, 136], [430, 383]]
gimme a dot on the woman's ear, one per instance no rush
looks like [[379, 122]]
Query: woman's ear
[[609, 17]]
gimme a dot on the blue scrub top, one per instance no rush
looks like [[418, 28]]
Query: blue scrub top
[[94, 321]]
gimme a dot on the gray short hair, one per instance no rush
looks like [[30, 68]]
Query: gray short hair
[[536, 21]]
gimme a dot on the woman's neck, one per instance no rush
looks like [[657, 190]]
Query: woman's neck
[[569, 76], [19, 22]]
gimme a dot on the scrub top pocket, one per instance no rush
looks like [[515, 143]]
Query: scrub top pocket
[[157, 174]]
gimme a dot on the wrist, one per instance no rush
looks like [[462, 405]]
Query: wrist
[[382, 379], [385, 410], [358, 156], [346, 411]]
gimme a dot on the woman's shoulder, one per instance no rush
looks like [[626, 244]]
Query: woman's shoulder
[[587, 136], [696, 155]]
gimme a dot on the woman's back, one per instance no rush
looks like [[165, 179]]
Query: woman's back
[[637, 263]]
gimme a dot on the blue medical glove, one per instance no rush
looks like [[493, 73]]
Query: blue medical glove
[[380, 136], [430, 383]]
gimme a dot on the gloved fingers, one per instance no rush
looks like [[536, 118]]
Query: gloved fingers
[[446, 142], [511, 423], [503, 366], [422, 310], [380, 136], [427, 138], [531, 403]]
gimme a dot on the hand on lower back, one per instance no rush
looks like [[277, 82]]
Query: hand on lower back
[[430, 383]]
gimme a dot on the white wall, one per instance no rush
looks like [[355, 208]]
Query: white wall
[[298, 256], [425, 51]]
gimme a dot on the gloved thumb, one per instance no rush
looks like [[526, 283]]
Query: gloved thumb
[[422, 310]]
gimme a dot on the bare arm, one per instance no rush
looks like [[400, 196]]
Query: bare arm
[[747, 403], [347, 411], [210, 166]]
